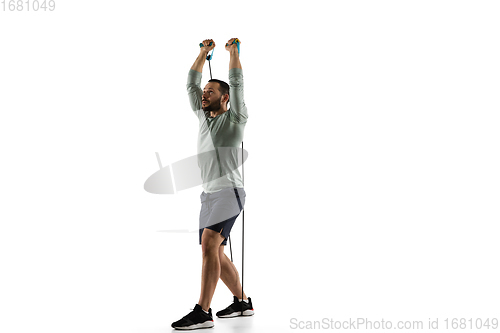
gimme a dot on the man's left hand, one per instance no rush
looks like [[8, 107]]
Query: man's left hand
[[230, 46]]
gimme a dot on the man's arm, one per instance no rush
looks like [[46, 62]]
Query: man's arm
[[238, 108], [194, 90], [200, 61], [194, 76], [234, 60]]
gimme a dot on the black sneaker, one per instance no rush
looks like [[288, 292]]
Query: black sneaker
[[195, 319], [235, 310]]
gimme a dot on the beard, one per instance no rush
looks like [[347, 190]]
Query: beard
[[213, 106]]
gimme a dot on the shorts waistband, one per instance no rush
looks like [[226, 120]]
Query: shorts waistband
[[225, 192]]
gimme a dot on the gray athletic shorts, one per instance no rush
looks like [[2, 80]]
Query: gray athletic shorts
[[219, 210]]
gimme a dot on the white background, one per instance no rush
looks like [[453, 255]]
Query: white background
[[372, 179]]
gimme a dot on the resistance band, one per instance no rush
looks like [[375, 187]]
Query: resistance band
[[210, 57]]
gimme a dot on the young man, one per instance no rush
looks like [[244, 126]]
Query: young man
[[220, 135]]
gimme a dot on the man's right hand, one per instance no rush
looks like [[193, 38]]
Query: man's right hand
[[206, 48]]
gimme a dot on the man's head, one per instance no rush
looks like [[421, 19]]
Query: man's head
[[215, 96]]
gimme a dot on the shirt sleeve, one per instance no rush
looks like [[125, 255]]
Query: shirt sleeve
[[237, 111], [194, 89]]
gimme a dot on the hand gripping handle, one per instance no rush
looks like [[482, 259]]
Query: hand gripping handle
[[237, 42], [209, 56]]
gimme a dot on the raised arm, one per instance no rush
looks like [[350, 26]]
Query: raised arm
[[200, 61], [194, 76], [238, 111], [234, 60]]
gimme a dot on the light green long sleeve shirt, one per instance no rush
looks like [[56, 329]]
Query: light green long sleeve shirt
[[220, 137]]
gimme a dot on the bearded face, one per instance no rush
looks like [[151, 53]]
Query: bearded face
[[212, 99], [212, 103]]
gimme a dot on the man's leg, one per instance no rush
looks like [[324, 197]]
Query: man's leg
[[229, 274], [210, 273]]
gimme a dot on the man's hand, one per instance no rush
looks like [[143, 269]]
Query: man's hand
[[206, 48], [230, 46], [234, 60], [200, 60]]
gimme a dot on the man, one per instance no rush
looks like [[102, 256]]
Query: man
[[220, 135]]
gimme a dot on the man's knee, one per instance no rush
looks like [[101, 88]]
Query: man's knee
[[210, 241]]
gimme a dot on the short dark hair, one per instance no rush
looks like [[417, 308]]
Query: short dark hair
[[223, 87]]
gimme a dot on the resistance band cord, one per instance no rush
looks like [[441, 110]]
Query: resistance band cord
[[209, 65], [209, 57]]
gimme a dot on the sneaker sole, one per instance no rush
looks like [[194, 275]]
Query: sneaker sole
[[238, 314], [207, 324]]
